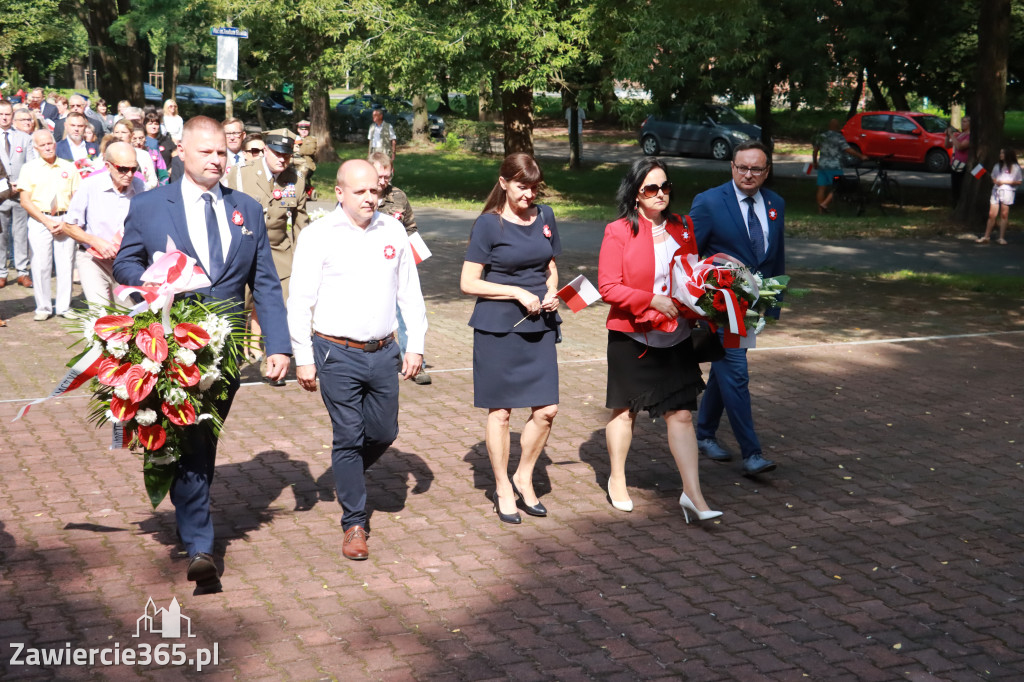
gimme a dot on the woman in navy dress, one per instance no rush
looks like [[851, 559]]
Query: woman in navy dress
[[510, 268]]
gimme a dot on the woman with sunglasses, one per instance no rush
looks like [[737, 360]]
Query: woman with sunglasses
[[648, 369], [510, 268]]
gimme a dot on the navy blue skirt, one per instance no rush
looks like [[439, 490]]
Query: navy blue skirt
[[514, 370]]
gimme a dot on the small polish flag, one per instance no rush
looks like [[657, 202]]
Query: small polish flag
[[420, 252], [978, 171], [808, 168], [578, 294]]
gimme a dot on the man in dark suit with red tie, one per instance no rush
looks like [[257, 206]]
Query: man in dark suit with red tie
[[743, 220], [225, 232]]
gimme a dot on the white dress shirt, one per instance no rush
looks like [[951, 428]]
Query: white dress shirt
[[345, 282], [759, 210], [78, 151], [195, 217]]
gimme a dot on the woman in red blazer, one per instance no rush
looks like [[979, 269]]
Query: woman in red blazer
[[648, 369]]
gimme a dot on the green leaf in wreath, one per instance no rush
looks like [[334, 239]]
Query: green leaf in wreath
[[158, 479]]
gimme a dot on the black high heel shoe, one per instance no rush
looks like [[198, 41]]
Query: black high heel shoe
[[536, 510], [506, 518]]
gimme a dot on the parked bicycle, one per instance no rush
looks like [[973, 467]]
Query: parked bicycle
[[867, 186]]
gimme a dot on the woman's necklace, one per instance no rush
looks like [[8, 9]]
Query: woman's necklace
[[663, 255], [515, 218]]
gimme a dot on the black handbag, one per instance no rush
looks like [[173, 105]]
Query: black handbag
[[707, 347]]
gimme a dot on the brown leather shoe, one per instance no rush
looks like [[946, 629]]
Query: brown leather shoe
[[25, 281], [3, 282], [354, 546]]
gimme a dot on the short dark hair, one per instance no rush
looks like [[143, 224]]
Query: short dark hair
[[630, 187], [753, 144]]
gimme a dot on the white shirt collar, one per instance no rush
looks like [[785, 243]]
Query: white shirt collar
[[741, 197], [193, 193]]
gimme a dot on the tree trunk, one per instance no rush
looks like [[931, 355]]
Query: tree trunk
[[120, 68], [763, 112], [484, 105], [171, 64], [987, 116], [445, 108], [858, 92], [569, 99], [78, 75], [320, 122], [897, 94], [298, 97], [607, 94], [420, 120], [517, 118], [876, 93]]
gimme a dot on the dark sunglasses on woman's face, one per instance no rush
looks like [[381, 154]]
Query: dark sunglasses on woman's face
[[651, 190]]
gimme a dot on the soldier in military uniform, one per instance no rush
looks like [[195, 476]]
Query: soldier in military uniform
[[395, 203], [281, 190], [305, 152]]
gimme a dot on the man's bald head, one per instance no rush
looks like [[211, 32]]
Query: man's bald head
[[120, 153], [357, 191]]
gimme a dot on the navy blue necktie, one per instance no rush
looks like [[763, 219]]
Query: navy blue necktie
[[216, 256], [754, 232]]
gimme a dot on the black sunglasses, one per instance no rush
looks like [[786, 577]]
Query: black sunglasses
[[651, 190], [125, 169]]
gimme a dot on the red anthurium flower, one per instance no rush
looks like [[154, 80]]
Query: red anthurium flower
[[182, 415], [123, 410], [191, 336], [138, 382], [152, 437], [152, 343], [186, 375], [114, 327], [111, 372]]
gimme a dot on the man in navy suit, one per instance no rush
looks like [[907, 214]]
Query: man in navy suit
[[745, 221], [225, 232], [74, 147]]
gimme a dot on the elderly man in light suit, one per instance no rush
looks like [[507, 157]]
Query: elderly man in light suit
[[15, 151], [225, 232], [743, 220]]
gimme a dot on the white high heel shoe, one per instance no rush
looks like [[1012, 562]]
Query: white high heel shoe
[[688, 506], [626, 506]]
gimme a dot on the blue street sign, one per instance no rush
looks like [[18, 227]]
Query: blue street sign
[[229, 31]]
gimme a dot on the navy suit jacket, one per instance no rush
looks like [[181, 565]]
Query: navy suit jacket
[[155, 215], [64, 150], [720, 228]]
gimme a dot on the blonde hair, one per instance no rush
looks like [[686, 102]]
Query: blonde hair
[[167, 104]]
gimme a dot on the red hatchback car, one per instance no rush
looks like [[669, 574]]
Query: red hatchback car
[[906, 136]]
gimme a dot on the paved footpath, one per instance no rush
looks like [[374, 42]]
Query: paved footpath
[[887, 546]]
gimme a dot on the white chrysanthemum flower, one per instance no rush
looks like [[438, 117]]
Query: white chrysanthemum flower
[[97, 345], [89, 328], [146, 417], [209, 379], [117, 348], [111, 418], [203, 417], [151, 366], [175, 396], [121, 392], [185, 356]]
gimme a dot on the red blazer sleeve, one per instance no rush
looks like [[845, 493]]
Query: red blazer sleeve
[[621, 271]]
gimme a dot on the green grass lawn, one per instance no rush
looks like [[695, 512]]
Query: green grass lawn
[[463, 180]]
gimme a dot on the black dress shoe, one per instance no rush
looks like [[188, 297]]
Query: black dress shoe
[[506, 518], [274, 382], [536, 510], [203, 571]]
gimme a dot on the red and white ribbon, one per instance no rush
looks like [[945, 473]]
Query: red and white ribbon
[[83, 370], [171, 273], [690, 279]]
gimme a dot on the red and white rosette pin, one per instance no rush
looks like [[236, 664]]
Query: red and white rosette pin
[[772, 214], [277, 194], [397, 215], [389, 252], [547, 231], [18, 150], [64, 175], [236, 218]]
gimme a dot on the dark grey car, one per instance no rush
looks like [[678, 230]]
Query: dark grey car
[[704, 129]]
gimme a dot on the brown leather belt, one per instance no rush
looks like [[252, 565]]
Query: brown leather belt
[[365, 346], [54, 214]]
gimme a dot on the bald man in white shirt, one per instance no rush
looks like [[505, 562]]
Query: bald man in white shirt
[[359, 263]]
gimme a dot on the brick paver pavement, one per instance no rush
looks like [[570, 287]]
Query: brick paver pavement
[[886, 546]]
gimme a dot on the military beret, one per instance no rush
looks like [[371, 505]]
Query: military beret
[[279, 142], [303, 124]]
